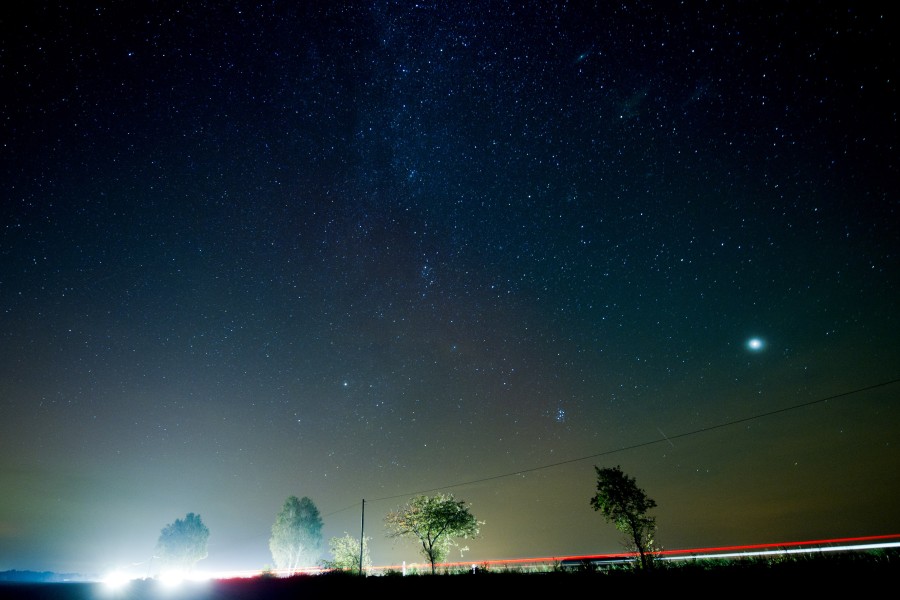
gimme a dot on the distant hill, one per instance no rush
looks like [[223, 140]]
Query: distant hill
[[39, 576]]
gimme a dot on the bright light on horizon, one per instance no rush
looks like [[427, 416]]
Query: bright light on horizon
[[116, 580]]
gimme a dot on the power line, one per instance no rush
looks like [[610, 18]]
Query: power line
[[665, 439], [648, 443]]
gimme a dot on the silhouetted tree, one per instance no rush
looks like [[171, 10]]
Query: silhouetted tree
[[436, 521], [182, 543], [296, 534], [625, 505]]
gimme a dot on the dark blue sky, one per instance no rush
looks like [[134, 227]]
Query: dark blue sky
[[366, 249]]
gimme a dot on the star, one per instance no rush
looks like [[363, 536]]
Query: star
[[755, 344]]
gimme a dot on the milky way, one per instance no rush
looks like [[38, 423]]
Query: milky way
[[363, 250]]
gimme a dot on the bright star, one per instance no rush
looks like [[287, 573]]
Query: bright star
[[755, 344]]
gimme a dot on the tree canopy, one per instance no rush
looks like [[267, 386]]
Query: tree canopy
[[345, 554], [182, 543], [625, 505], [436, 521], [296, 534]]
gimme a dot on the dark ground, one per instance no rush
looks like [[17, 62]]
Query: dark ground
[[834, 576]]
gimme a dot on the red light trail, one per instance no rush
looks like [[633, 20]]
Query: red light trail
[[847, 544]]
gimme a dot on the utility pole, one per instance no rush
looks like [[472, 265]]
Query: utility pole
[[362, 537]]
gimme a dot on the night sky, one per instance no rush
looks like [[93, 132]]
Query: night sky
[[354, 250]]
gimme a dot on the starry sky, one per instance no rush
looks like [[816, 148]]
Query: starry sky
[[354, 250]]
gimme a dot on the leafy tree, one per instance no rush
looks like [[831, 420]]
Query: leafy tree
[[182, 543], [296, 534], [345, 553], [625, 505], [436, 521]]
